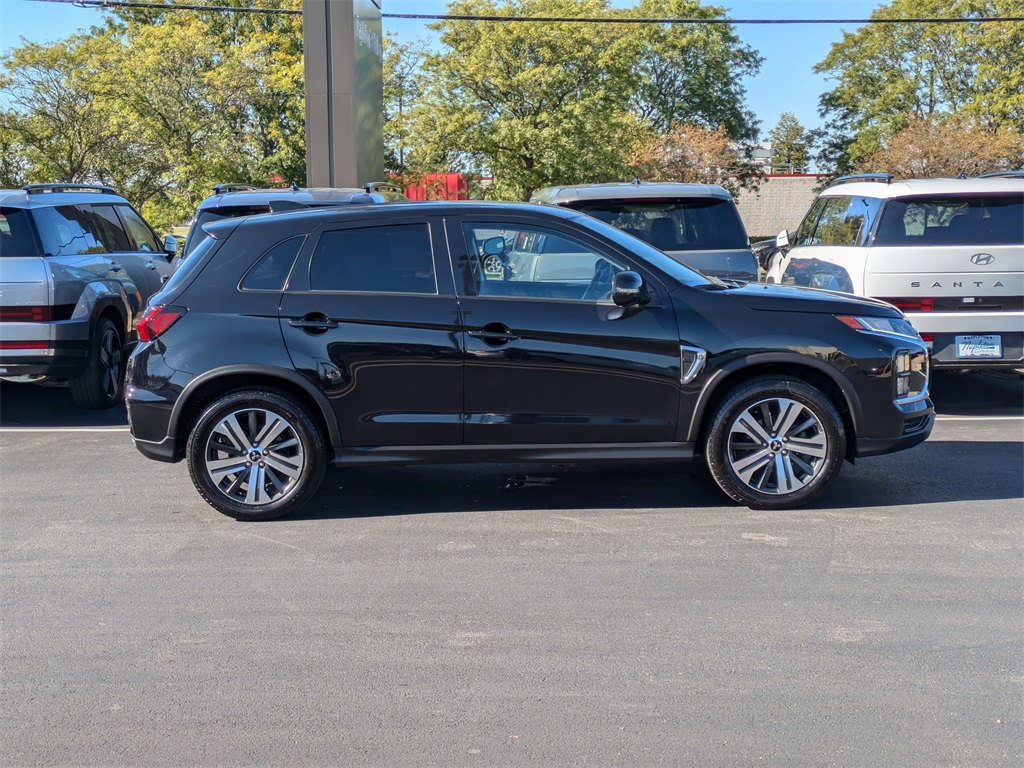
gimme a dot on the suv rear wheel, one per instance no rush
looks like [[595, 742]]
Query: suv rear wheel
[[775, 443], [256, 455], [101, 383]]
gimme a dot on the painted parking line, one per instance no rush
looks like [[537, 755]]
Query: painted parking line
[[941, 417]]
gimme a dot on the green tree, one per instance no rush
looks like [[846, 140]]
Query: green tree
[[404, 86], [539, 103], [890, 74], [689, 74], [791, 145]]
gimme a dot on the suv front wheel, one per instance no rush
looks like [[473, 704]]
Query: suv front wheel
[[775, 443], [256, 455]]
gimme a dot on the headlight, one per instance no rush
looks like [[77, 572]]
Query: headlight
[[890, 326]]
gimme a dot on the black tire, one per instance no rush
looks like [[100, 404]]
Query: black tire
[[225, 455], [775, 443], [101, 382]]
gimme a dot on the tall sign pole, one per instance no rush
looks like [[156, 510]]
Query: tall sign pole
[[342, 42]]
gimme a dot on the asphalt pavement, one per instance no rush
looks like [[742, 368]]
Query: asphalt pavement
[[513, 615]]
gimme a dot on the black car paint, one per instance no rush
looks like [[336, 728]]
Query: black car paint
[[402, 380]]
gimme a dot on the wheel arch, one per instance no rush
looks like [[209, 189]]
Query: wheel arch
[[812, 371], [206, 388]]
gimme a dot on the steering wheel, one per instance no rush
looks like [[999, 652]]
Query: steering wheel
[[601, 285]]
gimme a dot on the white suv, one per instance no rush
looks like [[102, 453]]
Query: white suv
[[948, 252]]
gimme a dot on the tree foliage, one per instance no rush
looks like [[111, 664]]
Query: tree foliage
[[888, 75], [563, 102], [791, 145], [160, 105], [404, 85], [695, 155], [929, 147]]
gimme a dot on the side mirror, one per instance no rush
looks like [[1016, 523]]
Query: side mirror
[[782, 239], [628, 289], [494, 246], [170, 247]]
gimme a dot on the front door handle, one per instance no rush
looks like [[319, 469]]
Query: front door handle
[[314, 323], [494, 333]]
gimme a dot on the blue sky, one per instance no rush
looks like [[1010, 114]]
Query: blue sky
[[786, 82]]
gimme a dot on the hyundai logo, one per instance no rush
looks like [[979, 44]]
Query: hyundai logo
[[982, 259]]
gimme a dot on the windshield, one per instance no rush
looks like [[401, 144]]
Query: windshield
[[673, 224], [651, 255]]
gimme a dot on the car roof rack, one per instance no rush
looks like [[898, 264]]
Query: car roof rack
[[231, 186], [381, 186], [36, 189], [1003, 174], [879, 177]]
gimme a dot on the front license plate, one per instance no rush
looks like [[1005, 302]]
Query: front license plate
[[979, 346]]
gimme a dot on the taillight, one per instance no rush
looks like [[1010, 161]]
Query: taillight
[[913, 305], [42, 314], [157, 320]]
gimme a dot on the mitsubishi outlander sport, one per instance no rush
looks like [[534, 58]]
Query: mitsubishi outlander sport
[[475, 332]]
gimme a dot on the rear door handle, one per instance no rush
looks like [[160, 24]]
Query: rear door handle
[[315, 322]]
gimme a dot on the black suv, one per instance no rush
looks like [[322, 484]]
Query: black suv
[[230, 201], [475, 332], [77, 265]]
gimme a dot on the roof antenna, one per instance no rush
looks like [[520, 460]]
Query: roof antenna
[[295, 187], [961, 175]]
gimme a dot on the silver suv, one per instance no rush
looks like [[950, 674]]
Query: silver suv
[[696, 224], [77, 266]]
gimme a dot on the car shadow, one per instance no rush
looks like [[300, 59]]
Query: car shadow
[[935, 472], [32, 405]]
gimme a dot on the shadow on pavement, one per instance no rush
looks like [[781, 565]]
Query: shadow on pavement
[[31, 405], [935, 472]]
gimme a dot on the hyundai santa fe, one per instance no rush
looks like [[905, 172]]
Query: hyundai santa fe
[[477, 332]]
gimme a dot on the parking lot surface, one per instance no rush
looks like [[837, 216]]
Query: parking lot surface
[[513, 615]]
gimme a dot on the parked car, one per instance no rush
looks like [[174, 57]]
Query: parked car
[[77, 265], [948, 252], [696, 224], [381, 335], [231, 200]]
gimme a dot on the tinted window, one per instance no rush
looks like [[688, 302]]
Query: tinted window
[[840, 221], [17, 235], [143, 236], [991, 220], [79, 229], [396, 259], [534, 263], [114, 233], [682, 224], [271, 271], [195, 233]]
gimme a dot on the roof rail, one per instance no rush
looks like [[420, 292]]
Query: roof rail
[[1002, 174], [35, 189], [880, 177], [381, 186], [231, 186]]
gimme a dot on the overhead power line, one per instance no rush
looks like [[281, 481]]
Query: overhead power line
[[155, 6]]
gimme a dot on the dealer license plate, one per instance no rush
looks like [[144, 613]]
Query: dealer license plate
[[979, 346]]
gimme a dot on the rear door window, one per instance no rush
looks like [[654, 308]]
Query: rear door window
[[80, 229], [390, 259]]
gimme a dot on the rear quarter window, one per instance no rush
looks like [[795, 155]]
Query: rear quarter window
[[17, 233]]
